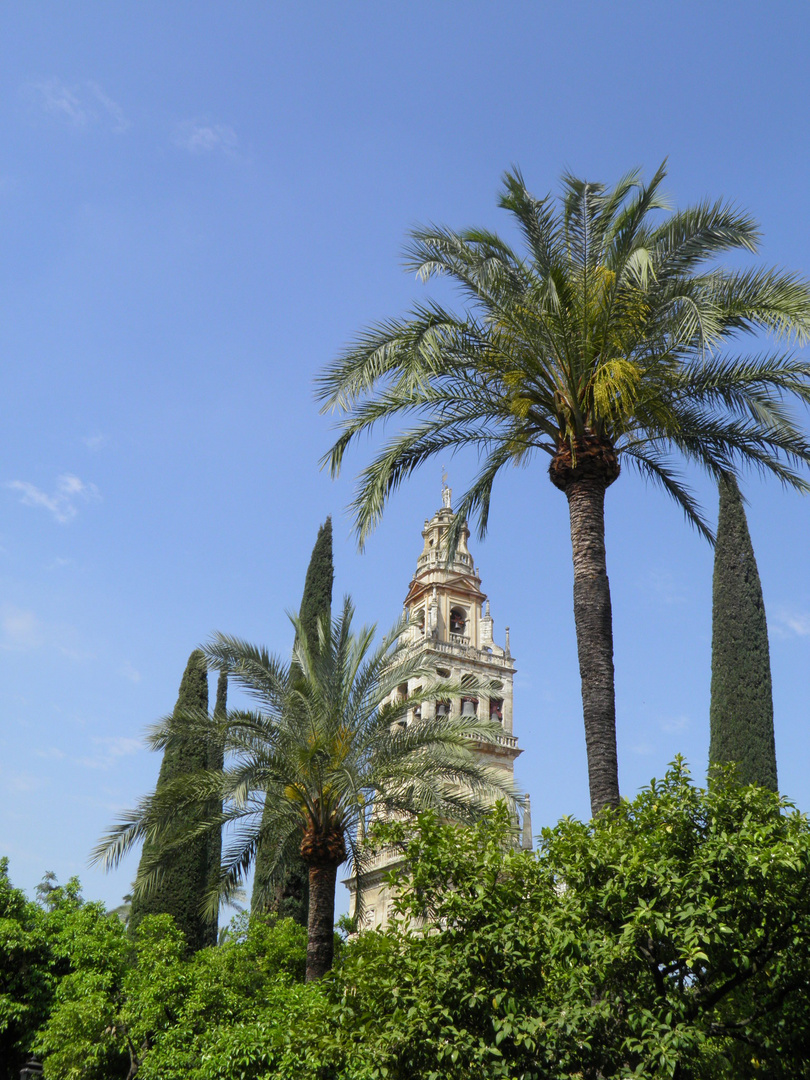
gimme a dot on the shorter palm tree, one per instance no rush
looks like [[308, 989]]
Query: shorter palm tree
[[324, 745]]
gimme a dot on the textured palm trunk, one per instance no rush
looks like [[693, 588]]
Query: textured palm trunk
[[585, 483], [321, 921]]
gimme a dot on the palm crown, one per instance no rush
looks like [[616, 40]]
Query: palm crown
[[601, 344], [607, 329]]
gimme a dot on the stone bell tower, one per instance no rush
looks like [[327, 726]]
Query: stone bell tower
[[452, 626]]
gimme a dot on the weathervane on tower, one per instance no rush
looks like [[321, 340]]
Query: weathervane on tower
[[446, 491]]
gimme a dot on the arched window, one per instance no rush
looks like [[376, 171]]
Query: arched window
[[469, 703], [416, 712], [495, 702], [458, 621]]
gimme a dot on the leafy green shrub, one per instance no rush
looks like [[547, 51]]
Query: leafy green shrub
[[668, 938], [26, 984]]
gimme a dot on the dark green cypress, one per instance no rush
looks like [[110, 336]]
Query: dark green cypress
[[184, 882], [291, 893], [317, 598], [216, 759], [741, 696]]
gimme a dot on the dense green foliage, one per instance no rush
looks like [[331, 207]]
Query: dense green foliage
[[61, 956], [741, 696], [83, 1036], [286, 892], [176, 882], [25, 983], [667, 939], [156, 1013]]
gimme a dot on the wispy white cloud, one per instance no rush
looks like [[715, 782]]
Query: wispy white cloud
[[130, 672], [51, 753], [68, 649], [59, 563], [642, 749], [59, 100], [96, 441], [790, 622], [24, 782], [110, 750], [19, 629], [80, 105], [110, 107], [673, 724], [199, 137], [62, 502]]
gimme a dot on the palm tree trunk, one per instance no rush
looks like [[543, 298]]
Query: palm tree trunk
[[594, 624], [585, 477], [321, 921]]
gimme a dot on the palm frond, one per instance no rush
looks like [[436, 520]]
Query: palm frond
[[690, 237], [762, 298], [613, 322], [322, 746]]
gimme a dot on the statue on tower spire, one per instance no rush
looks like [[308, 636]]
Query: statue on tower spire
[[446, 491]]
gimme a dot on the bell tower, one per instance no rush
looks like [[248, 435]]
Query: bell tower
[[451, 624]]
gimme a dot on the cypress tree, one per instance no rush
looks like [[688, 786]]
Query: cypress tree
[[317, 598], [184, 881], [290, 897], [741, 697], [216, 759]]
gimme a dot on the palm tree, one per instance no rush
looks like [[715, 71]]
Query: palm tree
[[600, 344], [325, 746]]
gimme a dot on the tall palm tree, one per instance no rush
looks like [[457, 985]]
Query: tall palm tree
[[599, 344], [326, 745]]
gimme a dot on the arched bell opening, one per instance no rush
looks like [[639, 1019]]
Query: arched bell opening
[[458, 625], [416, 711]]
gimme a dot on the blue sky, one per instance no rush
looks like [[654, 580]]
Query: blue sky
[[200, 205]]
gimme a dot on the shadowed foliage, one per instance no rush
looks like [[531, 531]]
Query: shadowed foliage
[[216, 760], [185, 871], [741, 698]]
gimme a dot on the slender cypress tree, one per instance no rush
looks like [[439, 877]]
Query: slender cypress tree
[[216, 760], [317, 598], [741, 696], [290, 896], [182, 886]]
